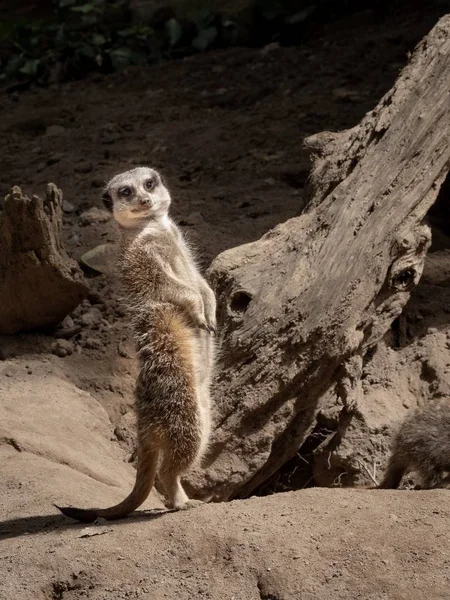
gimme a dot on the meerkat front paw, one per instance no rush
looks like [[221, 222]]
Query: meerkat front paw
[[203, 324], [210, 318]]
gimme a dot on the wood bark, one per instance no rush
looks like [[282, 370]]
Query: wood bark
[[39, 283], [300, 308]]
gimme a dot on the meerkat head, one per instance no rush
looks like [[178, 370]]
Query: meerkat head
[[136, 196]]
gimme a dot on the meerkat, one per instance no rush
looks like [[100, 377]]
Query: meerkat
[[173, 317], [422, 444]]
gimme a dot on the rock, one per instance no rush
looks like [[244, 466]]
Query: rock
[[91, 317], [34, 265], [68, 207], [92, 343], [62, 348], [94, 215], [54, 130], [67, 329], [269, 48], [102, 258], [67, 322]]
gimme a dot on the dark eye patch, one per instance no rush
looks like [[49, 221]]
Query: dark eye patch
[[107, 201], [125, 191]]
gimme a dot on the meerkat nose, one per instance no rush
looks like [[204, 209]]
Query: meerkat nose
[[145, 201]]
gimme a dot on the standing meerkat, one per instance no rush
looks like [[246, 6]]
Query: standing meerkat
[[173, 316], [422, 444]]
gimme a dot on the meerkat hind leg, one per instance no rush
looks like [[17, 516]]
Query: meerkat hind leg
[[176, 497]]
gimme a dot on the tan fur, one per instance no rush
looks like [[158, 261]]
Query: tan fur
[[172, 312]]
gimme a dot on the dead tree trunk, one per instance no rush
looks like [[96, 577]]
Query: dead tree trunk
[[300, 308]]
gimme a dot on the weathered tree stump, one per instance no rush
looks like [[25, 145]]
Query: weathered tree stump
[[300, 308], [39, 283]]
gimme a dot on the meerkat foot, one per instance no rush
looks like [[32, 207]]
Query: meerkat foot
[[191, 503]]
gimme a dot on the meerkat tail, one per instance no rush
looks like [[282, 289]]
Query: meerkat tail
[[393, 476], [145, 478]]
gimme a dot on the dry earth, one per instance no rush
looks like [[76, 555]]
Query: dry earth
[[226, 128]]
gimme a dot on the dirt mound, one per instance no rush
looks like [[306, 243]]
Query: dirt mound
[[56, 444]]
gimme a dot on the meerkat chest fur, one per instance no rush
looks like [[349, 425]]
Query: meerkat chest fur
[[154, 260]]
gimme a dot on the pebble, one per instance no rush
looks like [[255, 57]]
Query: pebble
[[68, 207], [91, 317], [62, 348], [92, 343], [94, 215], [67, 322]]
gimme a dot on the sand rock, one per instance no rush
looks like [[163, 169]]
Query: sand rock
[[55, 446], [94, 215], [62, 347], [39, 283]]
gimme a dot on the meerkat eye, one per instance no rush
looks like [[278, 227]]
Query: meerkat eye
[[150, 184], [125, 192]]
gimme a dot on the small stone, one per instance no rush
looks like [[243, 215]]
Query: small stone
[[68, 207], [432, 330], [67, 322], [54, 130], [92, 343], [62, 348], [91, 317], [102, 258], [269, 48], [94, 215]]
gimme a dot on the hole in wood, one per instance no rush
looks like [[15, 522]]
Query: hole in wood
[[404, 279], [239, 302]]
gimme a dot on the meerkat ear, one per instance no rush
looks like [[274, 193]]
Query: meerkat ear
[[107, 201]]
